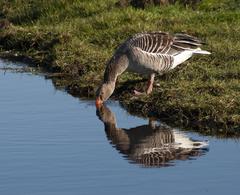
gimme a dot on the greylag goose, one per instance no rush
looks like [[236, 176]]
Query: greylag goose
[[152, 144], [147, 54]]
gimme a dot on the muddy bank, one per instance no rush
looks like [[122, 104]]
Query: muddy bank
[[146, 3]]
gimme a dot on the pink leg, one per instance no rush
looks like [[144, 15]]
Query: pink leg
[[149, 86]]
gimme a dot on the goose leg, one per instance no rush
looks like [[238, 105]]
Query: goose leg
[[150, 83], [149, 86], [152, 123]]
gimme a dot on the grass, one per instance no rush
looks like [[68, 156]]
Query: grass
[[77, 37]]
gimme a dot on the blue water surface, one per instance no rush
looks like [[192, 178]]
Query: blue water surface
[[54, 144]]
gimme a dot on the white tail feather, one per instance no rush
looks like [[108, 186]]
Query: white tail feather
[[199, 51], [185, 55]]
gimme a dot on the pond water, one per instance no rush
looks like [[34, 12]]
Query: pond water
[[53, 143]]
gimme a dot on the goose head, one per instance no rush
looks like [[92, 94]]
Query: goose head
[[104, 92]]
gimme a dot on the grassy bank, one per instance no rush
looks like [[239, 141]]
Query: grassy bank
[[73, 39]]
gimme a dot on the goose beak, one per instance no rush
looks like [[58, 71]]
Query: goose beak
[[99, 102]]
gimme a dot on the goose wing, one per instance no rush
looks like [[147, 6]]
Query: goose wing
[[164, 43], [156, 51]]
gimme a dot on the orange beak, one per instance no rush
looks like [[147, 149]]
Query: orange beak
[[98, 102]]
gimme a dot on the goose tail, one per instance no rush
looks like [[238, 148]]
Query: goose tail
[[199, 51]]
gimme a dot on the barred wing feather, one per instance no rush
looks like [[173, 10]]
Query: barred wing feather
[[164, 43], [159, 50]]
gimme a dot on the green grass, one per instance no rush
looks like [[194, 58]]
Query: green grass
[[77, 37]]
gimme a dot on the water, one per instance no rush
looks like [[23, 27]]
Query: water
[[52, 143]]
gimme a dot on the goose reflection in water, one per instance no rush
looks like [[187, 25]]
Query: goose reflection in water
[[152, 145]]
